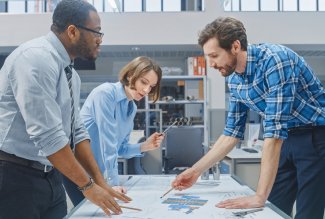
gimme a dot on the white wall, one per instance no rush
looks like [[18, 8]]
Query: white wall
[[177, 28], [182, 28]]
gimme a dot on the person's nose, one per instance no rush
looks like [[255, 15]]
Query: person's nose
[[212, 63], [147, 89], [99, 40]]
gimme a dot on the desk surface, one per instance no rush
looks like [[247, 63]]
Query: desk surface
[[146, 191], [238, 153]]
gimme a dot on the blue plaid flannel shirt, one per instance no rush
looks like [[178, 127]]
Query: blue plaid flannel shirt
[[280, 86]]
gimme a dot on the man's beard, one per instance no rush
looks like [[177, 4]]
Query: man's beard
[[83, 51], [230, 68]]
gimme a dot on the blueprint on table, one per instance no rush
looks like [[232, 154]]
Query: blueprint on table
[[201, 199]]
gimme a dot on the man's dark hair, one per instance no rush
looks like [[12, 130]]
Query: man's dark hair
[[69, 12], [226, 30]]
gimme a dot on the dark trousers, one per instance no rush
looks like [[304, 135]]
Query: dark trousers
[[301, 174], [74, 194], [30, 194]]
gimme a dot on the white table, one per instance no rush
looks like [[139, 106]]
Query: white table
[[146, 191]]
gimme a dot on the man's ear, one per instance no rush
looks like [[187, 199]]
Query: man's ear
[[236, 47], [73, 33]]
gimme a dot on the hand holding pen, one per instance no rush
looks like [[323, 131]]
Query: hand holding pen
[[184, 180], [153, 142]]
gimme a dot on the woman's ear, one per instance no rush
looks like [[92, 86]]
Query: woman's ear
[[129, 78]]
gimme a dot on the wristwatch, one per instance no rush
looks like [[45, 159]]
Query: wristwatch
[[89, 185]]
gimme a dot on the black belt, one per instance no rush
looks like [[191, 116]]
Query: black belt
[[24, 162], [305, 128]]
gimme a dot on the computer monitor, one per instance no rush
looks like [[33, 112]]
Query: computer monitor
[[184, 146]]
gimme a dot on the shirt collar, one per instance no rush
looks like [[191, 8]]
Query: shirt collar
[[57, 44], [250, 62], [120, 94]]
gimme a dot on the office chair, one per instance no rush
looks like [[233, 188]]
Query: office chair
[[184, 147]]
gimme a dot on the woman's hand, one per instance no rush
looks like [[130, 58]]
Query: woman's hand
[[153, 142]]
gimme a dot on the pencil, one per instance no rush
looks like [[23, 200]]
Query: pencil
[[136, 209], [167, 192], [168, 128]]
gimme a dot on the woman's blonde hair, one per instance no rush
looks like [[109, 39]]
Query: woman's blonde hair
[[136, 69]]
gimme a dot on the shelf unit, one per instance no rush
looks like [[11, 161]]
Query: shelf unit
[[194, 109], [173, 60]]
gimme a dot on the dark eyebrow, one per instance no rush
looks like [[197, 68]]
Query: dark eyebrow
[[211, 54]]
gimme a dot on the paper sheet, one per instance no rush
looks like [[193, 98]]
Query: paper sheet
[[147, 190]]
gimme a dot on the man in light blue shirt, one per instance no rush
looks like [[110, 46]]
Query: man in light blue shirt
[[37, 108]]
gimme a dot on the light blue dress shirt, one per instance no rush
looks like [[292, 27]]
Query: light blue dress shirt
[[106, 117], [35, 104]]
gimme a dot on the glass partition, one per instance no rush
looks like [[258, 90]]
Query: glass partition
[[44, 6]]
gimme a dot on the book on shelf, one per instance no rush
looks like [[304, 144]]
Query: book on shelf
[[190, 66], [196, 65]]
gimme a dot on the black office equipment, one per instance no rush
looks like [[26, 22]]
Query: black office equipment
[[2, 60], [250, 150], [81, 64], [184, 147]]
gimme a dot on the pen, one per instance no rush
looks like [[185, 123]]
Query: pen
[[126, 207], [130, 177], [167, 192], [169, 127], [243, 213]]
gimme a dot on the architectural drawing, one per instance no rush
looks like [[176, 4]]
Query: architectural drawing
[[185, 202]]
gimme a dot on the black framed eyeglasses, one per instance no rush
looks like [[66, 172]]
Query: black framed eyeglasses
[[97, 34]]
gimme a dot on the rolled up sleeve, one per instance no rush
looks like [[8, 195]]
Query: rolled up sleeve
[[127, 150], [279, 101], [236, 119]]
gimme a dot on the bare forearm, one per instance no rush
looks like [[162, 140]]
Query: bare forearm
[[102, 196], [220, 149], [86, 158], [64, 161], [269, 166]]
